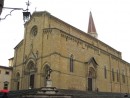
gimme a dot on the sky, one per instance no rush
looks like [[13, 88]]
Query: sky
[[111, 18]]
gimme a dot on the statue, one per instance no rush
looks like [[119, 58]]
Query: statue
[[49, 70]]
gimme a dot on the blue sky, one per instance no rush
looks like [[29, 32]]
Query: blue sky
[[111, 17]]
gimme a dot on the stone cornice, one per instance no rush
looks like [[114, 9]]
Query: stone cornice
[[79, 41]]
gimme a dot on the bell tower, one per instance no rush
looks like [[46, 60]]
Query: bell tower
[[91, 27]]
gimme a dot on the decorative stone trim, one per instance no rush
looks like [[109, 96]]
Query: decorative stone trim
[[47, 30]]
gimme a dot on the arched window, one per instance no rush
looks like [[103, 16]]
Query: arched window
[[123, 76], [113, 76], [71, 63], [117, 76], [105, 72]]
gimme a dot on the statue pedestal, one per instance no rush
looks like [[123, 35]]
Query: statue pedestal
[[49, 89], [49, 83]]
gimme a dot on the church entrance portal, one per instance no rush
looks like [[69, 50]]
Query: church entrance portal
[[18, 85], [18, 81], [90, 86], [31, 81], [31, 70], [91, 79]]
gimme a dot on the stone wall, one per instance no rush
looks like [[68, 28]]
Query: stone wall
[[53, 45]]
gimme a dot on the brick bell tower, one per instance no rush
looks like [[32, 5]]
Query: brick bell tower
[[91, 27]]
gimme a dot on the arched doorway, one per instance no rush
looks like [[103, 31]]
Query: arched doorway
[[18, 81], [31, 69], [31, 81], [91, 79]]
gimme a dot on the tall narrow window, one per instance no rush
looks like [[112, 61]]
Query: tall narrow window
[[123, 76], [71, 63], [105, 72], [117, 76], [113, 77]]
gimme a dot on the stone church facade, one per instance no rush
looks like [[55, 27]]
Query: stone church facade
[[78, 60]]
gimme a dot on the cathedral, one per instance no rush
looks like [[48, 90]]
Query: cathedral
[[70, 58]]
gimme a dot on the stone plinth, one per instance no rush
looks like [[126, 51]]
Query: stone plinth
[[49, 83]]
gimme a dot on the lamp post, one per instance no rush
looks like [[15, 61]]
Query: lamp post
[[1, 5], [26, 13]]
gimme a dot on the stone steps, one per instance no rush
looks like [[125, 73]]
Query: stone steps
[[62, 93]]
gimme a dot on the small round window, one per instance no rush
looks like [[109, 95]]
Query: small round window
[[34, 30]]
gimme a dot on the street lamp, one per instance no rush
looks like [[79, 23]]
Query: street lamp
[[26, 13], [1, 5]]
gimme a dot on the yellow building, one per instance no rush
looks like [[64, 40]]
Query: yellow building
[[5, 77], [78, 60]]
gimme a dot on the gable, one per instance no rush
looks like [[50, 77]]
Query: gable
[[93, 61]]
